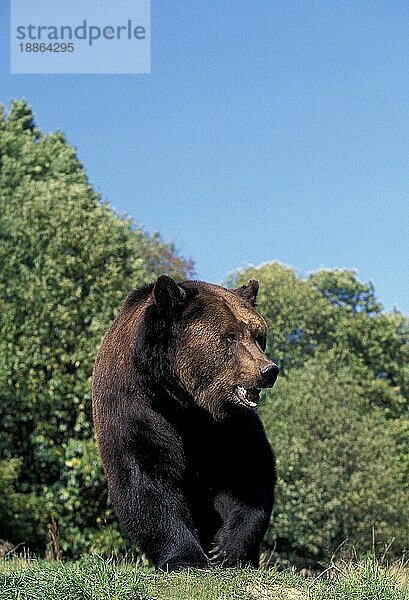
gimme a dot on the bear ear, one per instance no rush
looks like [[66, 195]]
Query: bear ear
[[248, 292], [168, 295]]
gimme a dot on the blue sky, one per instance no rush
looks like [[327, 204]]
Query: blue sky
[[266, 131]]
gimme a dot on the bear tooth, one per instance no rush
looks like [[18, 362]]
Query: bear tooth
[[242, 393]]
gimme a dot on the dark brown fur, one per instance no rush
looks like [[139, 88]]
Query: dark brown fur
[[189, 469]]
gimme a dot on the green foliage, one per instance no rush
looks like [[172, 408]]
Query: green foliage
[[340, 475], [330, 308], [299, 318], [341, 288], [338, 416], [67, 262], [11, 503]]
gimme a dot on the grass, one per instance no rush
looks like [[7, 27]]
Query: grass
[[99, 579]]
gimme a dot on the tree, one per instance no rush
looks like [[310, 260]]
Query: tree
[[380, 339], [15, 508], [338, 416], [342, 288], [67, 262], [299, 318], [333, 309], [340, 474]]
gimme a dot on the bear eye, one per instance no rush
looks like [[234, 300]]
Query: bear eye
[[261, 340], [231, 338]]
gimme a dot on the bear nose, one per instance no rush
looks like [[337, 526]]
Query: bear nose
[[269, 374]]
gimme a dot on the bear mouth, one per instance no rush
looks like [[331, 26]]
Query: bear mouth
[[248, 397]]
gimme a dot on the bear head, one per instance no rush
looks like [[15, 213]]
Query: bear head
[[211, 341]]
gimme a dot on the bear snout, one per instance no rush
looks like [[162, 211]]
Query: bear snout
[[268, 375]]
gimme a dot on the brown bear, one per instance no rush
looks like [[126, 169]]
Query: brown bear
[[176, 383]]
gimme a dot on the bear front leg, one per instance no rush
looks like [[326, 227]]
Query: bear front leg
[[244, 478], [154, 515], [237, 543], [144, 461]]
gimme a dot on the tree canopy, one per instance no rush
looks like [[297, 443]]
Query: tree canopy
[[338, 417]]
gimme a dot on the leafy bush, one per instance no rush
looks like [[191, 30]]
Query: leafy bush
[[338, 416], [340, 476], [67, 263]]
